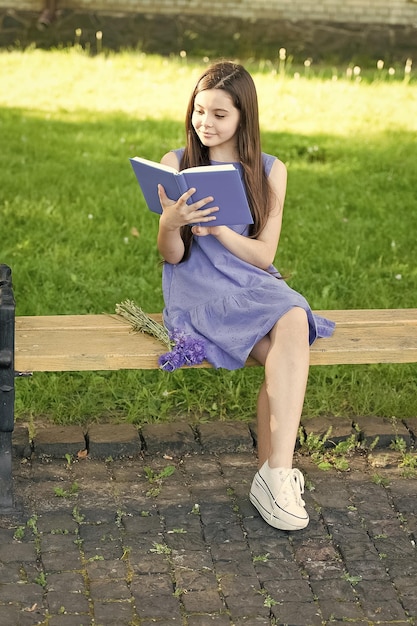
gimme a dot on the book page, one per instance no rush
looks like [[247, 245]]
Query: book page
[[155, 165], [224, 167]]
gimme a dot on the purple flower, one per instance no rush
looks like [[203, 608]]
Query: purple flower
[[170, 361], [176, 335], [186, 350], [194, 352]]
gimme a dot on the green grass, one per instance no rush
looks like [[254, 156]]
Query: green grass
[[79, 239]]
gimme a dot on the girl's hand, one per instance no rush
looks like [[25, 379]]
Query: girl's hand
[[178, 213], [203, 231]]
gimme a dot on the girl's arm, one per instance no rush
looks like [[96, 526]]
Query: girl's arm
[[260, 251], [178, 214]]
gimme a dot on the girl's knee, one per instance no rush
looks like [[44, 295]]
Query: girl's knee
[[295, 320], [293, 328]]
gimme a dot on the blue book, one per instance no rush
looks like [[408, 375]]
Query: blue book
[[222, 182]]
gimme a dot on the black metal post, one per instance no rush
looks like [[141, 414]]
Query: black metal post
[[7, 393]]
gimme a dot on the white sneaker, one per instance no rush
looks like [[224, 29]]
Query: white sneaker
[[276, 493]]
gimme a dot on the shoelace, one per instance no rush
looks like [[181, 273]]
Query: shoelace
[[297, 482]]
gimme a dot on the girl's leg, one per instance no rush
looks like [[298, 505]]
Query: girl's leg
[[286, 373], [277, 488], [264, 426], [285, 353]]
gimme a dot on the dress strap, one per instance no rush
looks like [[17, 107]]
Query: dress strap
[[268, 161], [179, 152]]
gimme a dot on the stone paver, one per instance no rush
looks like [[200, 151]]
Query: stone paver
[[169, 537]]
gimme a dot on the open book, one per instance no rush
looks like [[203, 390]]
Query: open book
[[222, 182]]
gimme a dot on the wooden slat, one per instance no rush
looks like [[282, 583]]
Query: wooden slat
[[106, 342], [371, 317], [82, 342], [368, 336]]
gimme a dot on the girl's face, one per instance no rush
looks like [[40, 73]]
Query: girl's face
[[215, 120]]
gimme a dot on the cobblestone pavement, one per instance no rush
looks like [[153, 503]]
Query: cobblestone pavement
[[165, 534]]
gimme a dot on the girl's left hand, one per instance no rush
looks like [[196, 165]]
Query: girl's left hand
[[203, 231]]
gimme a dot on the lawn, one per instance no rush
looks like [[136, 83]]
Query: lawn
[[79, 238]]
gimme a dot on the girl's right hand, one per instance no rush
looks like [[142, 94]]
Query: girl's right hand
[[176, 214]]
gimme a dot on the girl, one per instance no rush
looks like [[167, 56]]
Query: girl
[[219, 283]]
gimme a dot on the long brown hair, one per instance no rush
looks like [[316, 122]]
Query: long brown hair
[[238, 83]]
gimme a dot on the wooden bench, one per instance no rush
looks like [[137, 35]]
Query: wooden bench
[[60, 343], [106, 342]]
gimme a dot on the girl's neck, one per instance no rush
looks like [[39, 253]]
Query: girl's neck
[[223, 156]]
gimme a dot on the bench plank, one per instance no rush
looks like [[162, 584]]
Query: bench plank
[[106, 342]]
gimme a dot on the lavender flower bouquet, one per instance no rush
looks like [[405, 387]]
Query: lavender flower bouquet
[[183, 349]]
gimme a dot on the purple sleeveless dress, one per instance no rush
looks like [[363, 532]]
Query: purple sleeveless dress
[[230, 304]]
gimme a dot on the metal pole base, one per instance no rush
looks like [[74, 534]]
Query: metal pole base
[[6, 481]]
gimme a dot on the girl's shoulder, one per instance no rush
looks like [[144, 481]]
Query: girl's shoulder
[[268, 161], [178, 152]]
